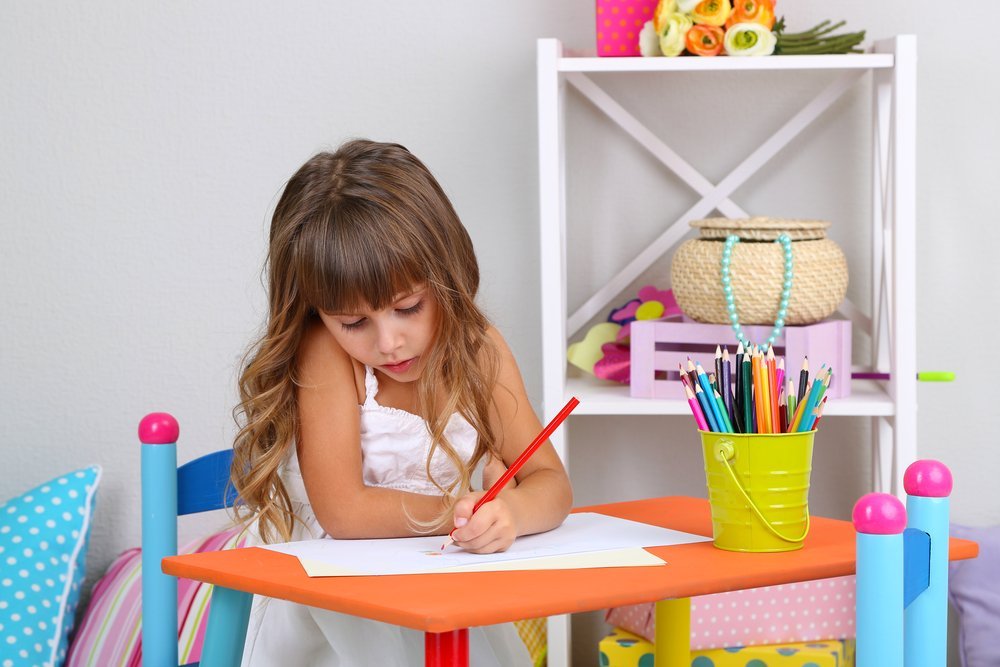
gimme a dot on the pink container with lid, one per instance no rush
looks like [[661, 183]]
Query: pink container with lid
[[619, 23]]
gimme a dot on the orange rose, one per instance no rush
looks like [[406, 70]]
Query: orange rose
[[704, 40], [752, 11], [711, 12]]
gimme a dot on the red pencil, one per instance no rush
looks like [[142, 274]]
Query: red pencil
[[519, 462]]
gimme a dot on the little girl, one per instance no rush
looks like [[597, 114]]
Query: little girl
[[376, 390]]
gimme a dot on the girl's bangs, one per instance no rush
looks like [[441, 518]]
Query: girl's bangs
[[352, 267]]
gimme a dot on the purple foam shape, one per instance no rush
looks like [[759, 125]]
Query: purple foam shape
[[928, 478], [158, 428], [879, 514]]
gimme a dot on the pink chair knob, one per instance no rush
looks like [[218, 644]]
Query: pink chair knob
[[928, 478], [879, 514], [158, 428]]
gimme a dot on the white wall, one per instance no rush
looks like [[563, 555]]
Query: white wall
[[142, 148]]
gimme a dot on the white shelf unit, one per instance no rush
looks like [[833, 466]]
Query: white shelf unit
[[890, 319]]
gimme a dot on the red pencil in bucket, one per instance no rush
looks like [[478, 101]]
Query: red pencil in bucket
[[520, 460]]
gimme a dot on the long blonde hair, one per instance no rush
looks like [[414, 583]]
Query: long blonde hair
[[357, 228]]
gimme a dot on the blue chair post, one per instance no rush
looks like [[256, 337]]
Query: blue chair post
[[879, 519], [158, 434], [928, 485]]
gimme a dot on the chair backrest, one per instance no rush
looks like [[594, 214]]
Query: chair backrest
[[200, 485]]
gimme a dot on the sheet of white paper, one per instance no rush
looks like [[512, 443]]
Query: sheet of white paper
[[581, 533], [633, 557]]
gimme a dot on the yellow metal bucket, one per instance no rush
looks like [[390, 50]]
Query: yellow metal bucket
[[758, 489]]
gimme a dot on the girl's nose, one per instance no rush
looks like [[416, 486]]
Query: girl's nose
[[390, 338]]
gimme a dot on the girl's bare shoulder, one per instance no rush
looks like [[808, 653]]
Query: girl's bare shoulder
[[321, 360]]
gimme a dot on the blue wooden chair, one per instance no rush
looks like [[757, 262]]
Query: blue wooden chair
[[168, 492]]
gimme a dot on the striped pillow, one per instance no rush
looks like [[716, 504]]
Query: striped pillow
[[110, 631]]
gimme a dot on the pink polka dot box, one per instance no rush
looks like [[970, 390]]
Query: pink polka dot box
[[619, 23], [802, 612]]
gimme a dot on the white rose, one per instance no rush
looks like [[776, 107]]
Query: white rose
[[749, 39], [686, 6], [672, 36], [649, 41]]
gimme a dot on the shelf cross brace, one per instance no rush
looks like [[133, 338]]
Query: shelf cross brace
[[713, 197]]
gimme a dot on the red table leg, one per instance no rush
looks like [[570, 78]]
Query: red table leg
[[447, 649]]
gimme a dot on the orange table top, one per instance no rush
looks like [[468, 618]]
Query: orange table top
[[444, 602]]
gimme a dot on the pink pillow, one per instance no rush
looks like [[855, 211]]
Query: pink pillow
[[110, 631]]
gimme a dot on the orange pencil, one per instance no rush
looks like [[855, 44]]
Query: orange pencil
[[760, 398], [772, 387]]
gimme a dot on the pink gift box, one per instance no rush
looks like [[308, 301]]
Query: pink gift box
[[801, 612], [657, 347], [619, 23]]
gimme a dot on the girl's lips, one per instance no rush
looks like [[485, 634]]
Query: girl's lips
[[401, 367]]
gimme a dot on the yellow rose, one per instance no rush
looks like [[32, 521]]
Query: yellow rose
[[664, 10], [672, 35], [711, 12]]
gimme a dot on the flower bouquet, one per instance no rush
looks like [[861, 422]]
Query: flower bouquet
[[735, 28]]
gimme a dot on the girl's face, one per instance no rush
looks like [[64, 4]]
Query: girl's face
[[393, 340]]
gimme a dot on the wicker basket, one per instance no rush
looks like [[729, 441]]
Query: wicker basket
[[756, 269]]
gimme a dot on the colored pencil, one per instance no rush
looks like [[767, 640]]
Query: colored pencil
[[726, 382], [782, 412], [726, 424], [819, 413], [519, 462], [699, 416], [759, 397], [684, 378], [747, 394], [779, 374], [706, 408], [790, 401], [803, 380], [793, 427], [820, 397], [772, 388], [738, 388], [709, 393], [812, 400], [718, 369]]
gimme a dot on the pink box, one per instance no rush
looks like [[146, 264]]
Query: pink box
[[619, 23], [801, 612], [657, 348]]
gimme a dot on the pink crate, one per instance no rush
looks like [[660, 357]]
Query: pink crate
[[619, 23], [657, 348]]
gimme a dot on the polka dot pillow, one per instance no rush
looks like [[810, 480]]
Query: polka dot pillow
[[43, 545]]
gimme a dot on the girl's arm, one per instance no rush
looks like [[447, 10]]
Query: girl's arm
[[542, 497], [329, 450]]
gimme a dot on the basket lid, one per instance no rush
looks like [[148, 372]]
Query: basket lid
[[761, 228]]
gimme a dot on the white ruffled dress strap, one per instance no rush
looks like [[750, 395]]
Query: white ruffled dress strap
[[371, 387]]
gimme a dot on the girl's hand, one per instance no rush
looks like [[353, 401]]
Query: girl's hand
[[490, 530]]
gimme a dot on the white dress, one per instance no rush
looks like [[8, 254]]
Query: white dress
[[394, 445]]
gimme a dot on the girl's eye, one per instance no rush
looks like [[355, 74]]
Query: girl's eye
[[349, 326], [412, 310]]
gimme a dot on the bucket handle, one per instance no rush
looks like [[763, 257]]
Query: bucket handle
[[724, 451]]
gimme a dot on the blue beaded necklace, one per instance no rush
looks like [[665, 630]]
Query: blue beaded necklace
[[727, 288]]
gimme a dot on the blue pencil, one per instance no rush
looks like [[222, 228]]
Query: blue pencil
[[709, 394], [703, 402], [811, 399]]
